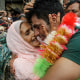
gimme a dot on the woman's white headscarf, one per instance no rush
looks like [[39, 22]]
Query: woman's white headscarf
[[26, 53]]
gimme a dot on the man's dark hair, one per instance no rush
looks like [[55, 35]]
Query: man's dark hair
[[15, 11], [72, 2], [42, 8]]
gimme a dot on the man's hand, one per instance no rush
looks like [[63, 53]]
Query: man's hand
[[54, 21]]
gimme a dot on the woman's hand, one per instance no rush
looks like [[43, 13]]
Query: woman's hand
[[12, 70]]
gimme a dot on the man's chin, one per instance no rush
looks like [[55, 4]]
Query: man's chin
[[43, 38]]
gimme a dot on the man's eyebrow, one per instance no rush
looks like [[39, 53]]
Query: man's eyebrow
[[36, 25]]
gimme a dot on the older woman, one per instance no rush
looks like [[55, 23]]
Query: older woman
[[24, 45]]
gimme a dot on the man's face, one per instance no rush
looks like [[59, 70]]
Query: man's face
[[74, 8], [38, 25]]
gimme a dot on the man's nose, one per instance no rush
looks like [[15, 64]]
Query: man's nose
[[36, 32]]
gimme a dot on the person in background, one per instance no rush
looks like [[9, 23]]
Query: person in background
[[65, 3], [15, 14], [5, 55], [9, 15], [2, 23], [4, 14], [5, 19], [73, 6], [10, 21]]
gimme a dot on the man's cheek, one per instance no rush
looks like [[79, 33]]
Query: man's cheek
[[41, 31]]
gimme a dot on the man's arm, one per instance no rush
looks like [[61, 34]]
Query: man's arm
[[63, 69]]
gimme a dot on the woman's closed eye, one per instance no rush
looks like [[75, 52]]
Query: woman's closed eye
[[27, 32]]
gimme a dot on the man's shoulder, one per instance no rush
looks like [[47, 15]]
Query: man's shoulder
[[74, 42], [73, 48], [75, 39]]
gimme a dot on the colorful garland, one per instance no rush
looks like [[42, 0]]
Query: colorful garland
[[55, 44]]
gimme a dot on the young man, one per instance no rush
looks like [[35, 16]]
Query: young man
[[38, 16], [68, 66]]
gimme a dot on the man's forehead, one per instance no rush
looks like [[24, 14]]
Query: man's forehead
[[74, 6], [36, 21]]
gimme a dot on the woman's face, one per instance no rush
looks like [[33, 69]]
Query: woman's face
[[28, 35]]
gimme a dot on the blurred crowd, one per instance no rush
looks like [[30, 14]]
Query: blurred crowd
[[8, 17]]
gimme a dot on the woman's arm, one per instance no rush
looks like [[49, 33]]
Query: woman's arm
[[14, 56]]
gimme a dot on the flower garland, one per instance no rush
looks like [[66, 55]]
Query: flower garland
[[55, 44]]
